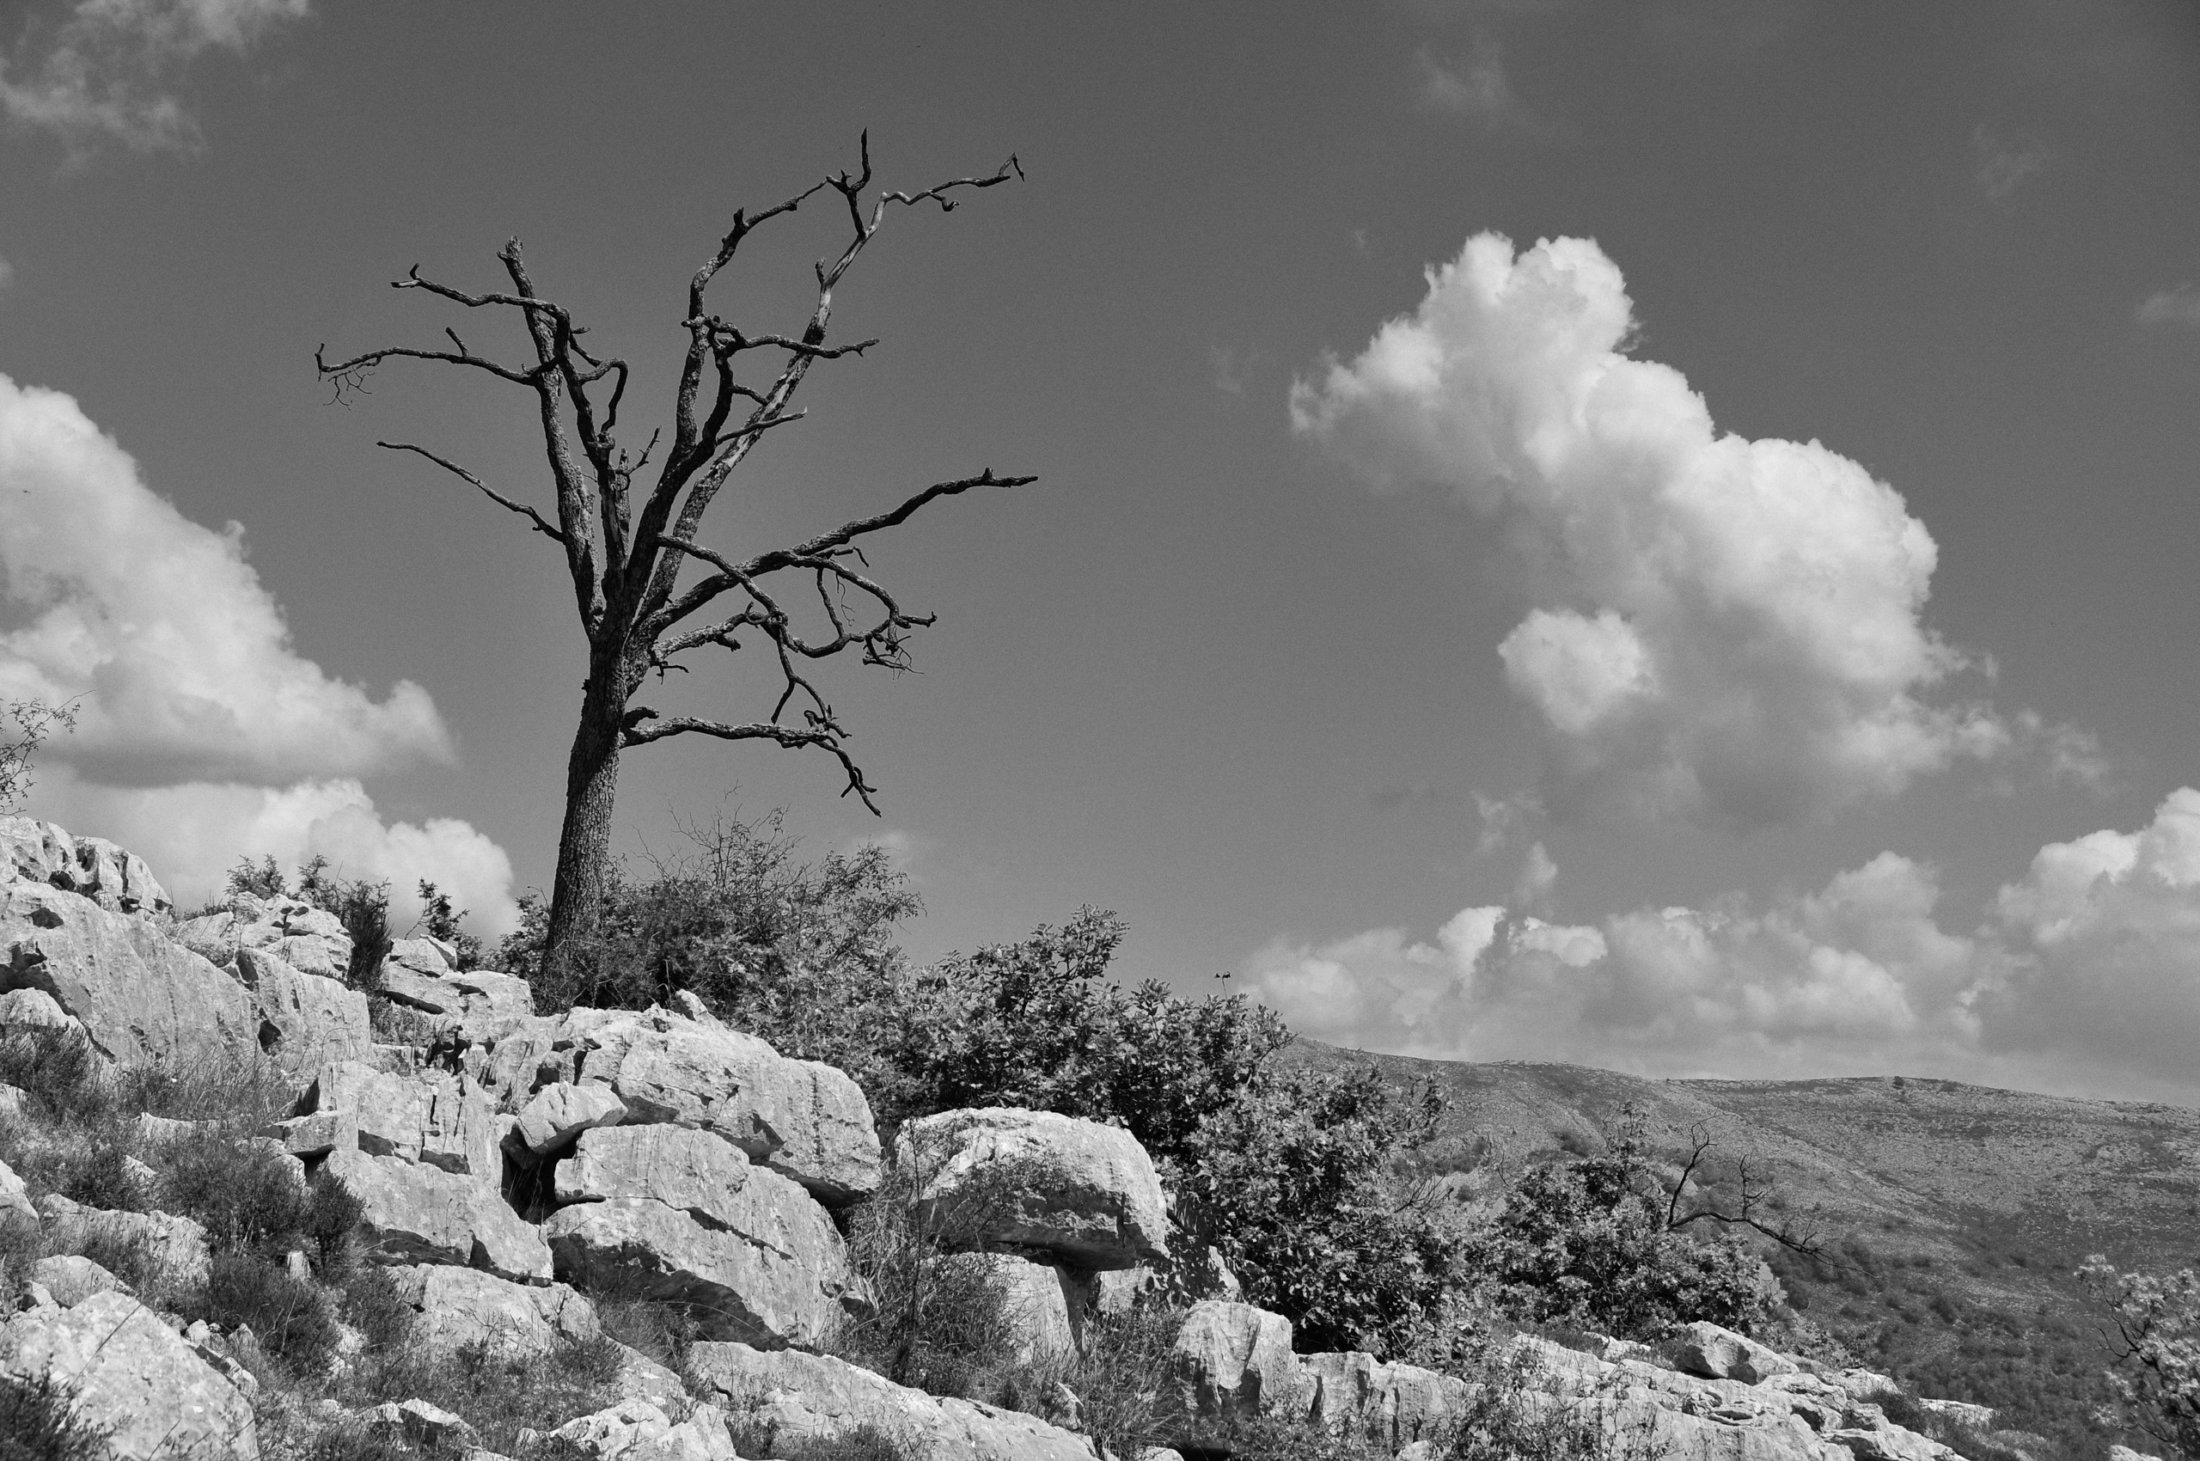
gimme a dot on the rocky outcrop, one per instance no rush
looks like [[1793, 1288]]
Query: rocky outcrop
[[1084, 1192], [174, 1247], [414, 1213], [558, 1113], [1721, 1354], [309, 939], [797, 1397], [133, 1378], [460, 1005], [639, 1430], [70, 1278], [90, 867], [802, 1119], [760, 1262], [434, 1117], [306, 1020], [464, 1308], [141, 999], [1232, 1362]]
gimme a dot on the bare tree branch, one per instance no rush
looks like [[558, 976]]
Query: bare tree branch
[[542, 525]]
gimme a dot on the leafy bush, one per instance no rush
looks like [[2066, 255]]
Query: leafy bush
[[34, 721], [38, 1423], [440, 919], [370, 1301], [363, 907], [1587, 1243], [244, 1194]]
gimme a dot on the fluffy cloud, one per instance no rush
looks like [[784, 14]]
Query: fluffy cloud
[[1722, 629], [160, 628], [2082, 976], [192, 834], [202, 735], [102, 74], [2179, 306]]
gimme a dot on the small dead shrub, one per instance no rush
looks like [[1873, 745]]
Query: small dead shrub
[[289, 1316]]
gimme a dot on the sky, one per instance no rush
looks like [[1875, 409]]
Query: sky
[[1658, 536]]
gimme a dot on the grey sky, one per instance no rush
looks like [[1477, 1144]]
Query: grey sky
[[1203, 672]]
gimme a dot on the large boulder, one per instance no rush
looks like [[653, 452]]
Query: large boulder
[[796, 1398], [468, 1005], [760, 1261], [803, 1119], [132, 1378], [432, 1116], [677, 1166], [91, 867], [1397, 1404], [1720, 1354], [558, 1113], [411, 1213], [172, 1247], [309, 939], [1034, 1179], [1231, 1362], [141, 999], [306, 1020], [463, 1308]]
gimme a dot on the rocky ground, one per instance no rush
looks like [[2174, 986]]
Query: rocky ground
[[477, 1191]]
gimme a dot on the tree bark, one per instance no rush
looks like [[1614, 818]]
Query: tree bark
[[591, 784]]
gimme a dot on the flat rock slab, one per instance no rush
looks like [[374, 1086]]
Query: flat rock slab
[[768, 1267], [141, 999], [133, 1378], [416, 1213], [464, 1308], [801, 1118], [816, 1398], [1085, 1192]]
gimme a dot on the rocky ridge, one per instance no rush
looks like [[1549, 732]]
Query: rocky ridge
[[505, 1164]]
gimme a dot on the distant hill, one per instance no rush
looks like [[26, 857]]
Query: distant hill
[[1953, 1215]]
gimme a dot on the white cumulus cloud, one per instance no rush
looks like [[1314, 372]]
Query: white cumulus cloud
[[104, 72], [161, 630], [203, 736], [2179, 306], [1722, 629]]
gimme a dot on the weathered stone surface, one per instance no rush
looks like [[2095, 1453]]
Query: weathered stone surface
[[15, 1198], [802, 1119], [174, 1246], [479, 1004], [306, 1020], [142, 999], [133, 1377], [411, 1212], [433, 1117], [71, 1279], [1721, 1354], [309, 939], [1399, 1404], [1038, 1180], [34, 1009], [416, 1423], [460, 1308], [1042, 1304], [768, 1267], [809, 1397], [559, 1112], [91, 867], [1232, 1362], [639, 1430], [679, 1166], [642, 1378], [316, 1134], [1185, 1277]]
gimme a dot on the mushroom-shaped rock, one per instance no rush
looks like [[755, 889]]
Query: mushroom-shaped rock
[[132, 1379], [1070, 1187]]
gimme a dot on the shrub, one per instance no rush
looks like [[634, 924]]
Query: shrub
[[60, 1069], [289, 1316], [98, 1174], [444, 921], [2156, 1379], [1586, 1243], [245, 1195], [38, 1423], [371, 1303]]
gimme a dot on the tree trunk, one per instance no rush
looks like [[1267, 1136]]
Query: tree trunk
[[591, 783]]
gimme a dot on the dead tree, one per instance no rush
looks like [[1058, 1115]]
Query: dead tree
[[625, 549], [1746, 1211]]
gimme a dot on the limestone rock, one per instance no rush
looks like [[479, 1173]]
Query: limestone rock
[[316, 1134], [1721, 1354], [411, 1212], [1036, 1179], [767, 1265], [678, 1166], [70, 1279], [642, 1378], [132, 1377], [309, 939], [1232, 1362], [91, 867], [816, 1398], [559, 1112], [34, 1009], [417, 1423], [173, 1246], [15, 1197], [461, 1308], [1043, 1305], [434, 1117], [803, 1119], [1397, 1403], [142, 1000], [640, 1430], [306, 1020], [479, 1004]]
